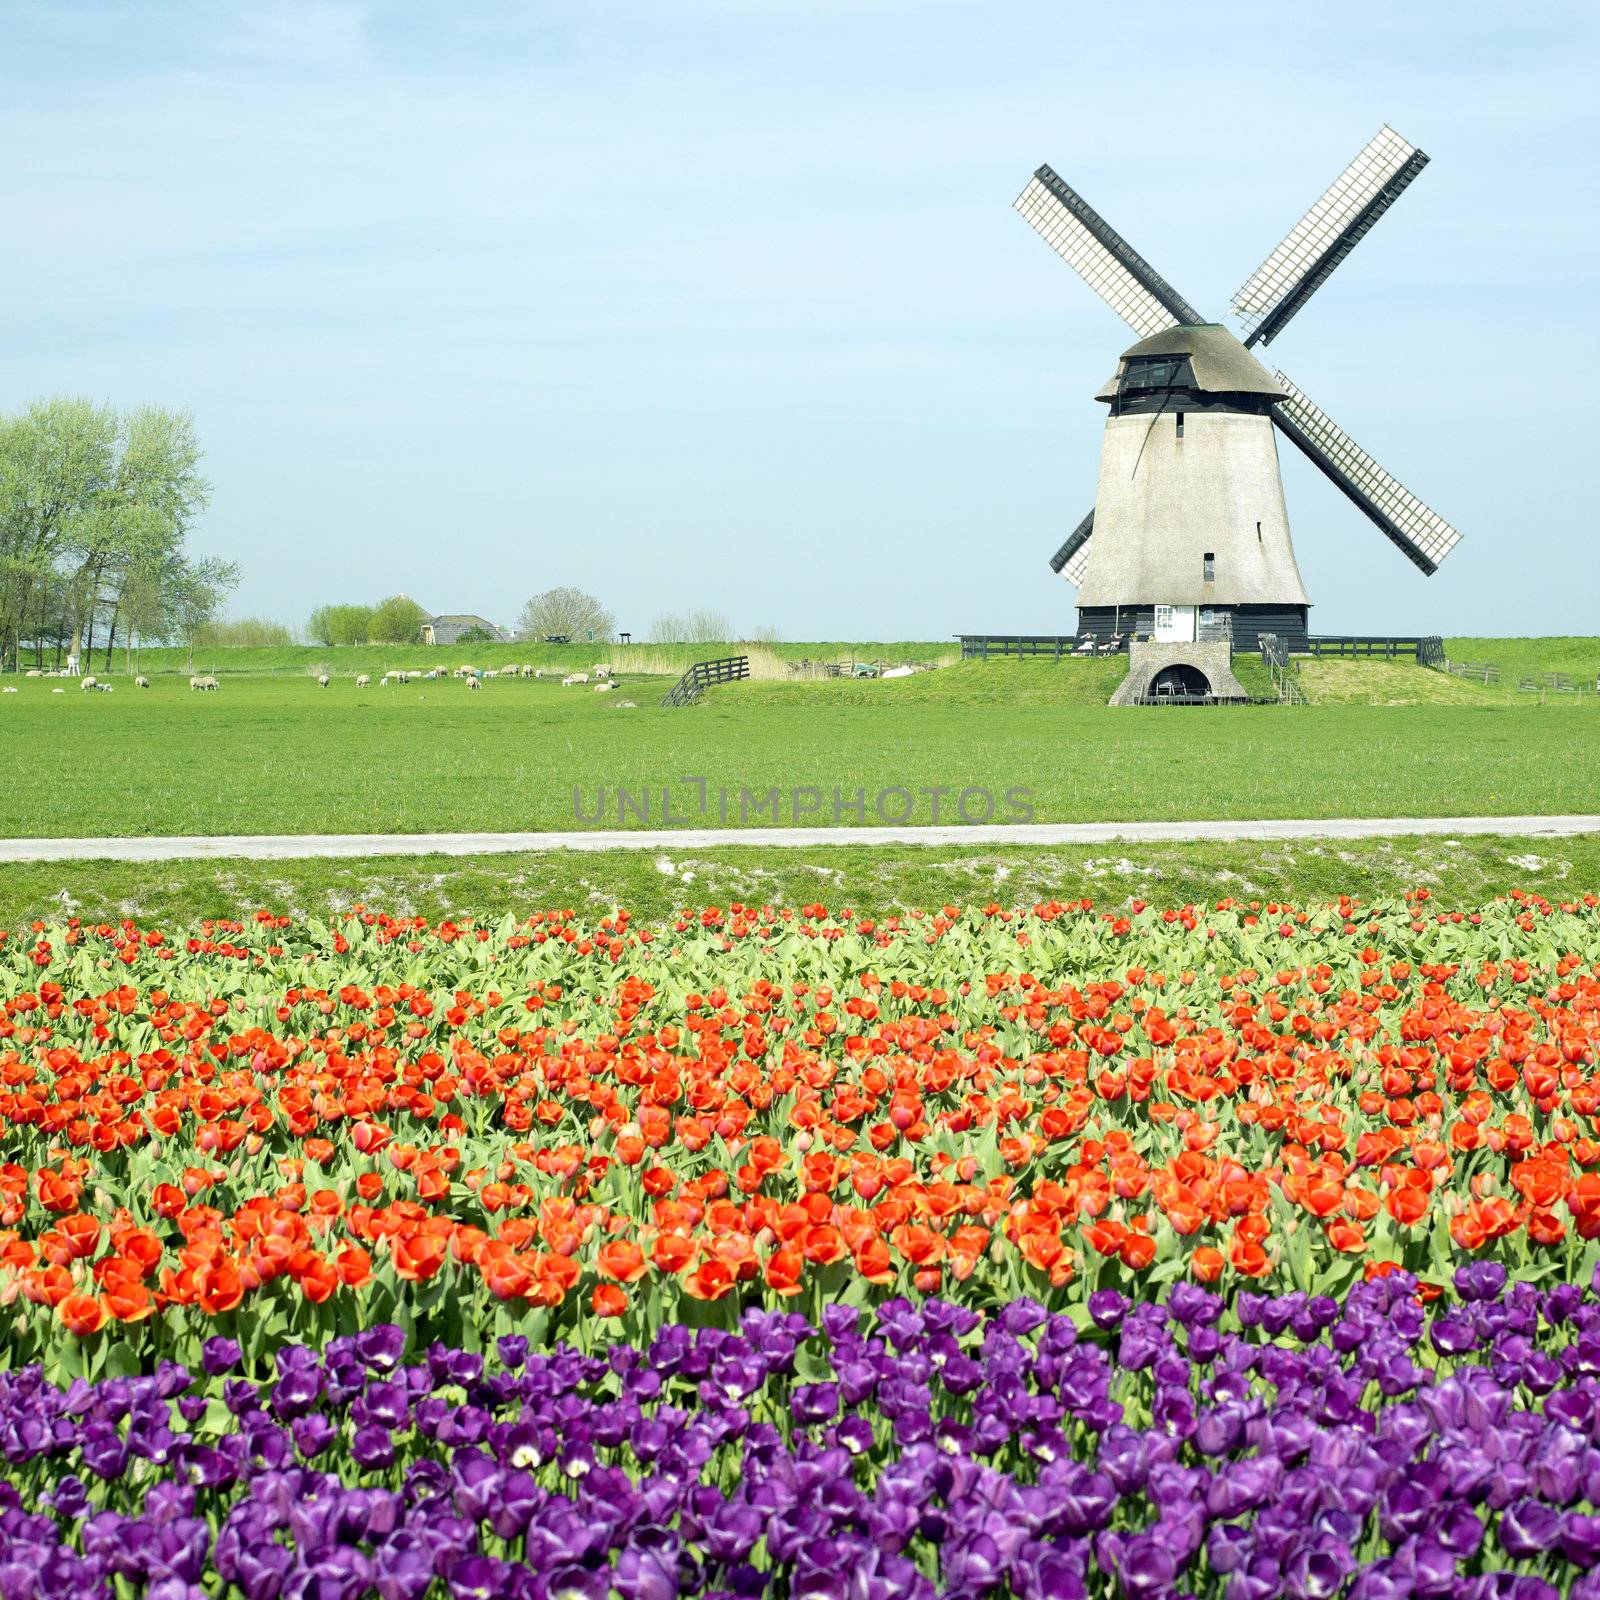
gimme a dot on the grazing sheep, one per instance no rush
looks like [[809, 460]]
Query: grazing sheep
[[601, 688], [574, 677], [362, 680], [87, 683], [205, 682], [322, 680], [491, 673], [474, 683], [603, 670], [33, 672], [141, 683], [105, 688], [526, 671]]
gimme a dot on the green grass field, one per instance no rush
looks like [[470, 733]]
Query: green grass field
[[1579, 657], [271, 754], [876, 881]]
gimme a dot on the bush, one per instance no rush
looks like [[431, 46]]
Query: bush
[[397, 620], [243, 633], [334, 625]]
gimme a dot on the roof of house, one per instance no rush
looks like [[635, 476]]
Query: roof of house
[[463, 619]]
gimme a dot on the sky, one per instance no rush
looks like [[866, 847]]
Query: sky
[[722, 304]]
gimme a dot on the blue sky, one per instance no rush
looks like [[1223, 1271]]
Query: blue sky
[[724, 304]]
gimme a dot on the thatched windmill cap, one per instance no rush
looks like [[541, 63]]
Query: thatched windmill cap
[[1220, 364]]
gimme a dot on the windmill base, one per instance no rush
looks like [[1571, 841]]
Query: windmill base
[[1180, 674], [1248, 623]]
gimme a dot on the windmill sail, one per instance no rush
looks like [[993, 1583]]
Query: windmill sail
[[1326, 234], [1101, 256], [1073, 556], [1422, 535]]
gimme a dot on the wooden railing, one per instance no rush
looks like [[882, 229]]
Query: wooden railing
[[1426, 649], [981, 646], [700, 677]]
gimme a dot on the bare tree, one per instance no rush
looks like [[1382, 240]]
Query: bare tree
[[566, 613], [694, 627]]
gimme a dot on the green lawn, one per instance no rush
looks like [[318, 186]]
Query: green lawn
[[1459, 873], [1579, 658], [277, 754], [1332, 680]]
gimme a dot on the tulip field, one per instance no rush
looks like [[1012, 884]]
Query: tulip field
[[1240, 1250]]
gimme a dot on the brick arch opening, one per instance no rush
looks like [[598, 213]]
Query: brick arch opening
[[1180, 678]]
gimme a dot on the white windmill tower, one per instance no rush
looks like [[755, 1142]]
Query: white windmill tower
[[1189, 536]]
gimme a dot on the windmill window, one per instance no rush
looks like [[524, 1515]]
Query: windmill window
[[1258, 533], [1208, 566], [1154, 372], [1180, 424]]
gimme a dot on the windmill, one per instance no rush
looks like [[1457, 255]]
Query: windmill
[[1189, 537]]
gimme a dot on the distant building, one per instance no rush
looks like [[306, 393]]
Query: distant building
[[448, 629]]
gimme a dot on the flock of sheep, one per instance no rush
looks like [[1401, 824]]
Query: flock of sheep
[[474, 678], [602, 675]]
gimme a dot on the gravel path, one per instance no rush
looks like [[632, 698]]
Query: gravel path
[[282, 847]]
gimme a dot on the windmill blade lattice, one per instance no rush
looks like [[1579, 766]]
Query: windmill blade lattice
[[1341, 218], [1421, 533], [1073, 556], [1101, 256]]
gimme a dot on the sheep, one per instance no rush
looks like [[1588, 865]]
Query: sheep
[[491, 673], [474, 683], [8, 690], [322, 680], [363, 680], [105, 688], [141, 683], [601, 688], [205, 682], [88, 683], [603, 670], [526, 671], [33, 672], [574, 677]]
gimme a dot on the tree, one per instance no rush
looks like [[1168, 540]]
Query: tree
[[397, 620], [566, 611], [340, 624], [94, 505], [195, 595]]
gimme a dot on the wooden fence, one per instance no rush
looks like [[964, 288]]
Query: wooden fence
[[981, 646], [700, 677], [1426, 649]]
